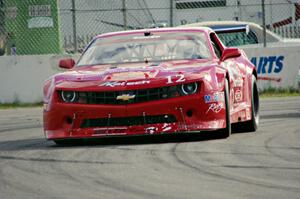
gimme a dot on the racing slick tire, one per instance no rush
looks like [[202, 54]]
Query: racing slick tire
[[226, 132]]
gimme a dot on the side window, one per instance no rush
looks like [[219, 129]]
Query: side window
[[215, 45]]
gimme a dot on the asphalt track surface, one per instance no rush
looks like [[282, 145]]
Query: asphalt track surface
[[265, 164]]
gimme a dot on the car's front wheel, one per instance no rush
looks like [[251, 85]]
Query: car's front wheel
[[251, 125], [226, 132]]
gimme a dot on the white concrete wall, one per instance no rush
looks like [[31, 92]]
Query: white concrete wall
[[276, 66], [22, 77]]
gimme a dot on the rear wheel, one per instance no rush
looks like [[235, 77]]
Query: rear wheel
[[225, 133]]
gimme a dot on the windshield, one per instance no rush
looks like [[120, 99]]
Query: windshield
[[146, 47]]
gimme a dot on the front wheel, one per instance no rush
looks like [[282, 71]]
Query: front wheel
[[226, 132], [252, 125]]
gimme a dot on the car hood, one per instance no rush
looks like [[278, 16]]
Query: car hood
[[109, 77]]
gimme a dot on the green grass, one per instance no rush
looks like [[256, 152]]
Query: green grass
[[279, 92], [270, 95], [20, 105]]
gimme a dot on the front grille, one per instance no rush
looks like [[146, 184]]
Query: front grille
[[134, 96], [128, 121]]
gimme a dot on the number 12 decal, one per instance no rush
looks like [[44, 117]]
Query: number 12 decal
[[177, 78]]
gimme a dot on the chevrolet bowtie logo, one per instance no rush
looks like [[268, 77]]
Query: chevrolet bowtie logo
[[125, 97]]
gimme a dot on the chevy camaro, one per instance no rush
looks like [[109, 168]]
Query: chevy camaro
[[154, 81]]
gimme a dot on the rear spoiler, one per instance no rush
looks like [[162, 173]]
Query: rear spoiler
[[230, 28]]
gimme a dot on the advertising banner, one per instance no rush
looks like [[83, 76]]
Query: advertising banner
[[32, 27], [277, 67]]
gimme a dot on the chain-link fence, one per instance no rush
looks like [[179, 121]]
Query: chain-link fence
[[59, 26]]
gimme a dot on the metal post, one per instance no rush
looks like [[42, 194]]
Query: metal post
[[2, 28], [73, 10], [2, 15], [2, 22], [271, 15], [171, 13], [264, 22], [240, 10], [294, 21], [124, 14]]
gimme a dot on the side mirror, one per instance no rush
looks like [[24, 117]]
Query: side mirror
[[66, 63], [230, 53]]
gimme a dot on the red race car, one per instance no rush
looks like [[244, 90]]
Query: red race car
[[154, 81]]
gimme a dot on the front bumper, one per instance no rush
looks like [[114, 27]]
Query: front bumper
[[190, 113]]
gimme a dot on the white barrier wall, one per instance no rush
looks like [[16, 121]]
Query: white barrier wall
[[276, 66], [22, 77]]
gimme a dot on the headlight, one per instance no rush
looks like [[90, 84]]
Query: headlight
[[69, 96], [190, 88]]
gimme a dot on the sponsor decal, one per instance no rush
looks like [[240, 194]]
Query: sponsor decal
[[238, 82], [137, 83], [218, 97], [123, 76], [113, 84], [215, 97], [207, 98], [268, 65], [123, 83], [215, 107], [166, 127], [150, 130], [248, 113], [109, 131], [238, 96], [242, 114]]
